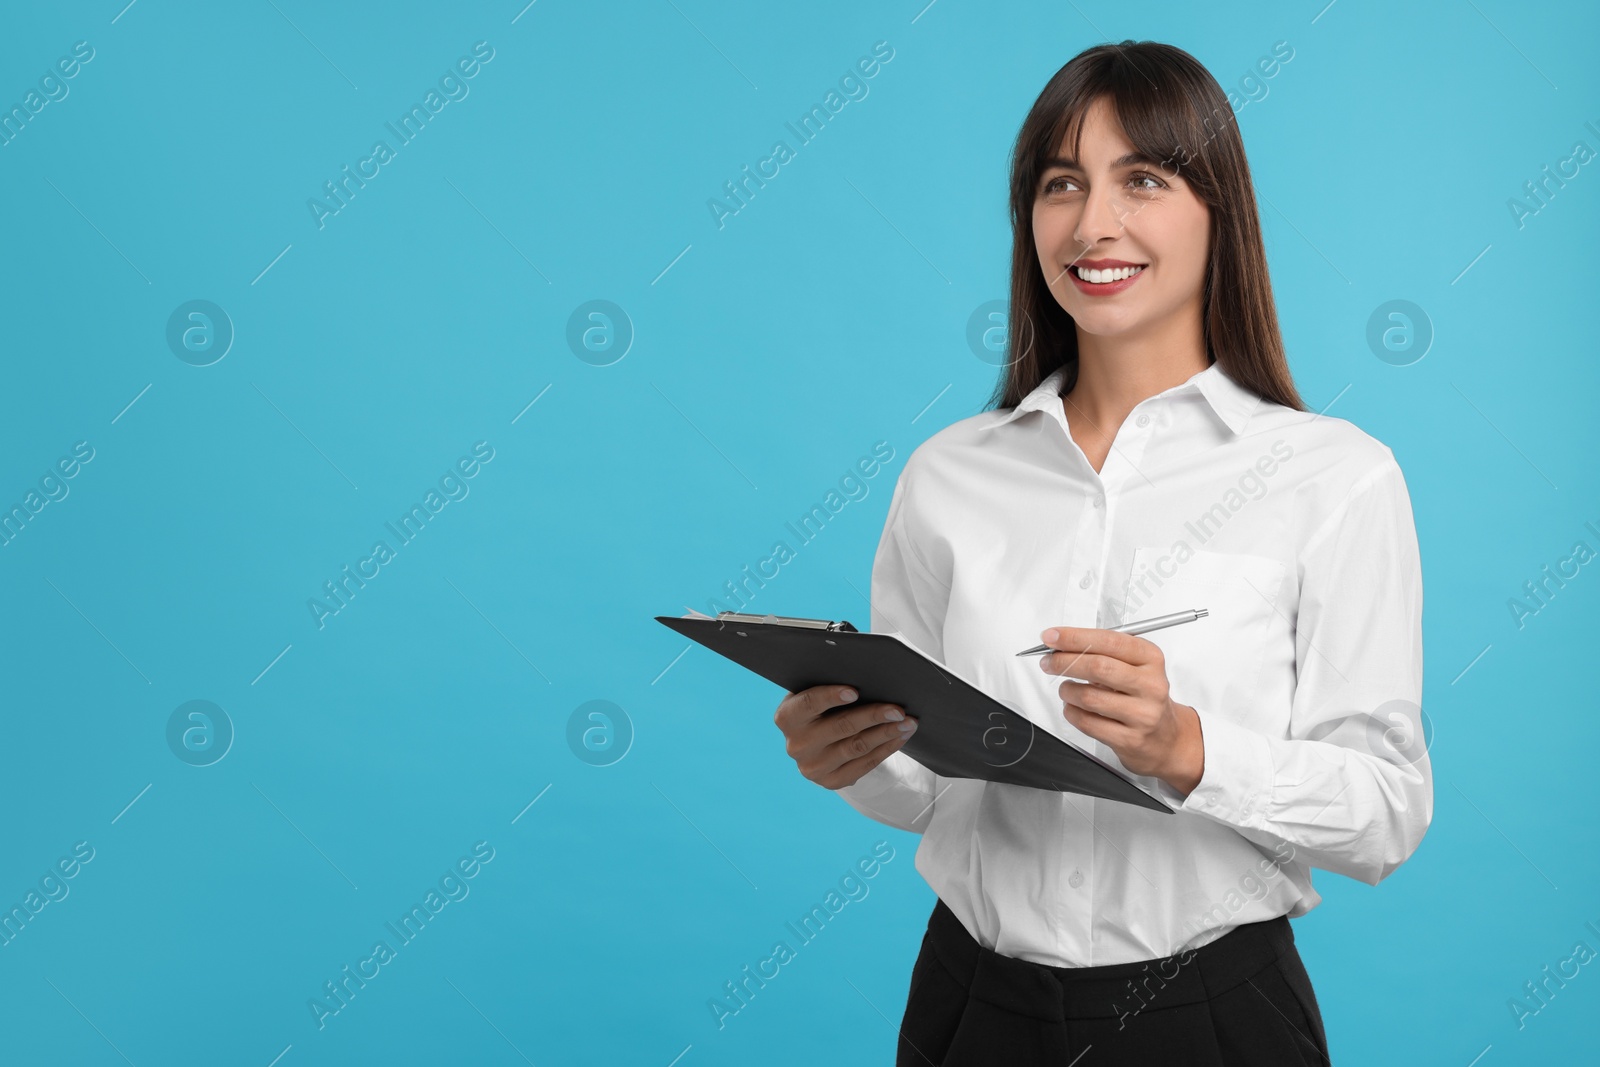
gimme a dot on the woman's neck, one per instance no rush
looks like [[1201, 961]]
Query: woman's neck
[[1116, 373]]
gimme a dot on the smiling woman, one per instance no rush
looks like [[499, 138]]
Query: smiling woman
[[1145, 397]]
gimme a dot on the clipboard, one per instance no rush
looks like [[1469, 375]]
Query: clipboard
[[962, 732]]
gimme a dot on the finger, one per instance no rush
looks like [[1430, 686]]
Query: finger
[[1105, 730], [806, 706], [842, 725], [860, 744], [854, 770], [1130, 648], [808, 743], [1092, 667], [1070, 659], [1118, 707]]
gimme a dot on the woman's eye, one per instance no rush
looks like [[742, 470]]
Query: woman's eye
[[1142, 182]]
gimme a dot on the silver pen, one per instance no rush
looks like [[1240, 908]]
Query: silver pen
[[1160, 622]]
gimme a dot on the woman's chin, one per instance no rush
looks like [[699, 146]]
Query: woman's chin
[[1107, 322]]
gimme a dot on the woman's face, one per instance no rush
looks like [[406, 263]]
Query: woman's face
[[1104, 210]]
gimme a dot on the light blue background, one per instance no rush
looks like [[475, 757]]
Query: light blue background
[[828, 315]]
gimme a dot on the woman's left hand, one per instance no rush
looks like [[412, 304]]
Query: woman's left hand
[[1123, 701]]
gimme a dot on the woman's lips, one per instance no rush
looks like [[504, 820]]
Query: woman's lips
[[1103, 288]]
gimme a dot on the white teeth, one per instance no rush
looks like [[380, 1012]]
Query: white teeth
[[1101, 277]]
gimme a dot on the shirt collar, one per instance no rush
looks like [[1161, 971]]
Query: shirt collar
[[1233, 403]]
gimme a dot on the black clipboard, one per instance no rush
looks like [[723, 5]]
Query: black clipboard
[[962, 732]]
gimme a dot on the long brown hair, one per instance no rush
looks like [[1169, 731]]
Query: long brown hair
[[1171, 109]]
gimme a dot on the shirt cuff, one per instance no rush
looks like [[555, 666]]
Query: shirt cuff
[[1237, 782], [898, 792]]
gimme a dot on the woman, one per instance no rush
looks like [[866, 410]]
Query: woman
[[1146, 453]]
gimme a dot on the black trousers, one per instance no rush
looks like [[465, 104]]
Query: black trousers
[[1242, 1000]]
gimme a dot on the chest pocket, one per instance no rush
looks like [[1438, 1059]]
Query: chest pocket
[[1212, 661]]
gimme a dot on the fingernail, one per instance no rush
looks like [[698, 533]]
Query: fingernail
[[893, 715], [847, 694], [1049, 636], [908, 727]]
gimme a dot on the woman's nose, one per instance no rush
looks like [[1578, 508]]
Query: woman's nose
[[1100, 219]]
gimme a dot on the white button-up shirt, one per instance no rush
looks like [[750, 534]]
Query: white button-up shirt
[[1294, 531]]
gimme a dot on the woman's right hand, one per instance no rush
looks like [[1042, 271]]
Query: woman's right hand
[[836, 750]]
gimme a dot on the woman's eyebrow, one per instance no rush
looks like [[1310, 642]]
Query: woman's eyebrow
[[1131, 159]]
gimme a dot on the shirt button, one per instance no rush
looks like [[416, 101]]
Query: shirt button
[[1099, 500], [1076, 879], [1088, 576], [1144, 420]]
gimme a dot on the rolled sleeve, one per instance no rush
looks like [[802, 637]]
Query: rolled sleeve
[[1351, 786]]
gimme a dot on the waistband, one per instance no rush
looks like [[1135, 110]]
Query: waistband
[[1054, 994]]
